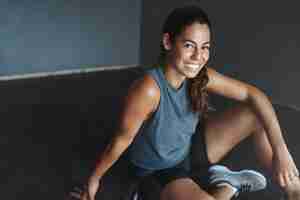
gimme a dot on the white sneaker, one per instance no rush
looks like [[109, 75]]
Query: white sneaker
[[243, 181]]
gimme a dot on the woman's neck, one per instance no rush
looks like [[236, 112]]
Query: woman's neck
[[174, 78]]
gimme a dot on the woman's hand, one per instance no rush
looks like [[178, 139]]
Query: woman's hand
[[88, 192], [93, 186], [284, 168]]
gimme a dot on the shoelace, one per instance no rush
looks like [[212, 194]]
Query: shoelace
[[245, 187]]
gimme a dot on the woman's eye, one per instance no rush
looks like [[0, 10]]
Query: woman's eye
[[187, 45], [206, 48]]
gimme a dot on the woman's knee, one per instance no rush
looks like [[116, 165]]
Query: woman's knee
[[182, 189]]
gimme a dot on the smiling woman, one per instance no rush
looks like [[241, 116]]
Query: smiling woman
[[170, 135]]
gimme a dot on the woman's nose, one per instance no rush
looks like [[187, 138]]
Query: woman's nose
[[197, 55]]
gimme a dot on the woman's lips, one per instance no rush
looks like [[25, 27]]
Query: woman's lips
[[192, 66]]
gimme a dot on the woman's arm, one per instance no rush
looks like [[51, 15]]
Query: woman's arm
[[283, 164], [141, 101], [259, 102]]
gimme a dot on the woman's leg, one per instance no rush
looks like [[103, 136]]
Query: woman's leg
[[186, 188], [223, 131]]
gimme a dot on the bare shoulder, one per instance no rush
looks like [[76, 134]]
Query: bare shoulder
[[143, 96], [215, 79], [139, 104], [211, 72], [145, 88]]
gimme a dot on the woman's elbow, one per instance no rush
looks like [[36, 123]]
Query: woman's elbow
[[255, 94]]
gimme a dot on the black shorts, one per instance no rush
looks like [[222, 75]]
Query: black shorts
[[194, 166]]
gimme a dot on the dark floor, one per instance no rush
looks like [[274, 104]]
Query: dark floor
[[52, 129]]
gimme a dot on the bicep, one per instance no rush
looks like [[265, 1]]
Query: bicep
[[140, 102], [227, 86]]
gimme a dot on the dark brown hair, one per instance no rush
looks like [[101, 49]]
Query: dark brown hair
[[175, 23]]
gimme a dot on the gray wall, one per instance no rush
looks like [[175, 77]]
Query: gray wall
[[256, 41], [43, 35]]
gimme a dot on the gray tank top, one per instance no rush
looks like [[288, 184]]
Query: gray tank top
[[165, 138]]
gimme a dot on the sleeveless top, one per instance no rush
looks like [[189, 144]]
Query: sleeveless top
[[164, 139]]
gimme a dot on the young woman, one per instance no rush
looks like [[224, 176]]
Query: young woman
[[162, 110]]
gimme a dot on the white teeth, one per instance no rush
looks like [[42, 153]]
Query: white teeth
[[193, 66]]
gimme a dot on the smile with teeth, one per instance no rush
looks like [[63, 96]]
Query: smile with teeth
[[192, 66]]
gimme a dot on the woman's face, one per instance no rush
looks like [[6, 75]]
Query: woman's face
[[189, 52]]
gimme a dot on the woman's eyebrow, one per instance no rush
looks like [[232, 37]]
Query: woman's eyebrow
[[187, 40]]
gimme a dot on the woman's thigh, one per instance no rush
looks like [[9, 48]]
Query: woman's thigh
[[225, 130], [183, 189]]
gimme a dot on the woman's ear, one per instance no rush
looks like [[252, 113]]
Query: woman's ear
[[167, 41]]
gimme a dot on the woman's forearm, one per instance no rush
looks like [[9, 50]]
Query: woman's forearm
[[110, 155], [266, 113]]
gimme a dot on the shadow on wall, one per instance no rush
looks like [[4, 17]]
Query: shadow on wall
[[52, 129]]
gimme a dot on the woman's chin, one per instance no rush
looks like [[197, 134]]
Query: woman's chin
[[191, 75]]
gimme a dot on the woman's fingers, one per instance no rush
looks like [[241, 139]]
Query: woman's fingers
[[287, 178], [281, 180], [78, 189], [77, 193], [290, 177], [296, 172]]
